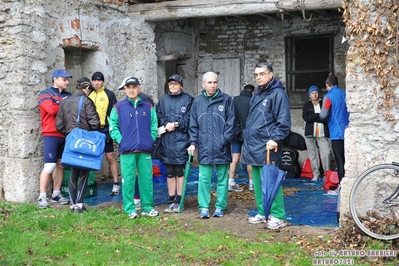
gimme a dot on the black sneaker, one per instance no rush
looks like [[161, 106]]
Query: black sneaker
[[60, 199], [80, 210]]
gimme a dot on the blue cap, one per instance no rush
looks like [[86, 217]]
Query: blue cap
[[313, 88], [177, 78], [60, 73]]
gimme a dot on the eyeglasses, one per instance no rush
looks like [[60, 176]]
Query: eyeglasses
[[261, 74]]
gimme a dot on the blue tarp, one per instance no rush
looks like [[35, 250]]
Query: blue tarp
[[310, 205]]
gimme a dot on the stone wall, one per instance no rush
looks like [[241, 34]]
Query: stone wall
[[252, 39], [38, 37], [372, 84]]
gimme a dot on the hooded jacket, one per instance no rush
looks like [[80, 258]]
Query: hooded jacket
[[174, 144], [68, 113], [212, 127], [269, 119]]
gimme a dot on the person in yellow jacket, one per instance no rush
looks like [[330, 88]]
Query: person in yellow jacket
[[104, 100]]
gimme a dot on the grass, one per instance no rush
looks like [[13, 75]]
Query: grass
[[30, 236]]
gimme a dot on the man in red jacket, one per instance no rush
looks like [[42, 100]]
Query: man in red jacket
[[49, 103]]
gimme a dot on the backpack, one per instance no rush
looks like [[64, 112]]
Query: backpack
[[295, 140], [331, 182], [307, 171], [289, 163]]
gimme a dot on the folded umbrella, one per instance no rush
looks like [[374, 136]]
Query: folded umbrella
[[186, 172], [271, 180]]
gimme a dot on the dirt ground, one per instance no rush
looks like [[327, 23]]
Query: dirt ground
[[235, 219]]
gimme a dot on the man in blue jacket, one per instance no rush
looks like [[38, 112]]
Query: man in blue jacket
[[133, 125], [268, 124], [212, 128], [336, 111]]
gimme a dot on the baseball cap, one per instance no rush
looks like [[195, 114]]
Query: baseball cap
[[97, 76], [60, 73], [82, 83], [127, 81], [177, 78]]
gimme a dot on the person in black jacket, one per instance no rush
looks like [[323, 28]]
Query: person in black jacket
[[268, 124], [316, 134], [65, 123], [241, 106], [212, 128], [173, 112]]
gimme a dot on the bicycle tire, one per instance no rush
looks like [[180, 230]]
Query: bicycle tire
[[371, 212]]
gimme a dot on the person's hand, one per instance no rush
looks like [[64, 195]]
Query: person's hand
[[271, 145], [170, 127], [191, 149]]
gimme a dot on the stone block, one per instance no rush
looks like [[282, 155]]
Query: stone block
[[21, 179]]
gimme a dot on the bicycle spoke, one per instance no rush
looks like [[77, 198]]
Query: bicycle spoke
[[374, 201]]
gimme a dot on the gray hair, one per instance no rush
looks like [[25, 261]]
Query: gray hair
[[209, 74], [266, 65]]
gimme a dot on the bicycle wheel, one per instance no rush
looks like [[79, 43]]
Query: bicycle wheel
[[374, 201]]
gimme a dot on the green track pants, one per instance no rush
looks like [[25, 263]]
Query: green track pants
[[204, 186], [142, 162], [277, 210]]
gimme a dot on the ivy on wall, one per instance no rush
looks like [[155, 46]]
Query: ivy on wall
[[371, 27]]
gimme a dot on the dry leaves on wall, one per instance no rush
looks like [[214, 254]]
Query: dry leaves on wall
[[372, 28]]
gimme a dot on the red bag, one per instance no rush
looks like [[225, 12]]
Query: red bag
[[307, 169], [331, 182]]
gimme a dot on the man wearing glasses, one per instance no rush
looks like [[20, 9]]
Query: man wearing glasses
[[268, 123]]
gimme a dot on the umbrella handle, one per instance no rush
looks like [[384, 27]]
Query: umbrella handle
[[268, 154]]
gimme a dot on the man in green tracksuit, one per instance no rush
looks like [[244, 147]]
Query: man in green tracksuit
[[212, 128], [133, 124]]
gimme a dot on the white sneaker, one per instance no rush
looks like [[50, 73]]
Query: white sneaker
[[132, 215], [151, 213], [116, 189], [274, 223], [176, 207], [257, 219], [235, 187], [43, 203], [251, 187], [169, 208]]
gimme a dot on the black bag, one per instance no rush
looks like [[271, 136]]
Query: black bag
[[290, 164], [295, 140], [156, 149]]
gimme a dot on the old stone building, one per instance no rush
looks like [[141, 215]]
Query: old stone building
[[305, 40]]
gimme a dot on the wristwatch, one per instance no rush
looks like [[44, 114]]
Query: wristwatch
[[176, 124]]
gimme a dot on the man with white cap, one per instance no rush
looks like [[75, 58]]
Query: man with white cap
[[133, 125], [49, 103]]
